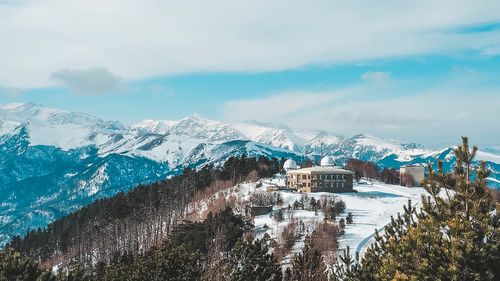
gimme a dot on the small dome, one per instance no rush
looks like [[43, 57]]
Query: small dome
[[327, 161], [290, 165]]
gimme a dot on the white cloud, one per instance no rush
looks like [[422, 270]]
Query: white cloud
[[88, 81], [138, 39], [279, 106], [431, 116], [376, 76]]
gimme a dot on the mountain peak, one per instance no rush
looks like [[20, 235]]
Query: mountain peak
[[24, 106], [14, 105], [269, 125]]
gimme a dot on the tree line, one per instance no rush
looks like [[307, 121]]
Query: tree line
[[132, 222], [368, 169]]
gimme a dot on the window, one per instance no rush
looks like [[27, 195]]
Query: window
[[320, 177], [304, 177], [343, 177]]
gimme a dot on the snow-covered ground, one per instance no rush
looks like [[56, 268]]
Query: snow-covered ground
[[371, 206]]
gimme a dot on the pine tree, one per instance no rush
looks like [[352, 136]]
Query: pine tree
[[15, 267], [348, 218], [251, 261], [308, 265], [175, 263], [455, 235]]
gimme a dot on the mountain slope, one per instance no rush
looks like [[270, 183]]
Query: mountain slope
[[40, 183]]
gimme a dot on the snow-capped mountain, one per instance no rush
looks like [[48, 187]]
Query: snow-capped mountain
[[172, 141], [272, 134], [53, 161], [371, 148]]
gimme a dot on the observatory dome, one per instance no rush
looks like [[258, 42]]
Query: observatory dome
[[327, 161], [290, 164]]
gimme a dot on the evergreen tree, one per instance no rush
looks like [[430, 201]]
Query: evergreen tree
[[15, 267], [455, 236], [279, 215], [342, 224], [175, 263], [308, 265], [250, 261], [348, 218]]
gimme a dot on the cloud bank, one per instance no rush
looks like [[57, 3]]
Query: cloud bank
[[435, 116], [140, 39]]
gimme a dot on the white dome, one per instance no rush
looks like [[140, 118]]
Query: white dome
[[327, 161], [290, 165]]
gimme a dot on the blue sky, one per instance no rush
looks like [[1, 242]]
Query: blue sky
[[397, 69]]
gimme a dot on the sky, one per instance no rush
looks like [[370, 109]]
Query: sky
[[420, 71]]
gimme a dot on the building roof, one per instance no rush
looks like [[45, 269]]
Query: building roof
[[322, 170]]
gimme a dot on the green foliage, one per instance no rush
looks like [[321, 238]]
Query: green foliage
[[278, 215], [342, 223], [196, 236], [279, 199], [250, 260], [346, 267], [313, 204], [332, 208], [455, 236], [348, 218], [298, 204], [13, 267], [308, 265]]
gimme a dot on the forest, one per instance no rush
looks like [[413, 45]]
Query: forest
[[455, 235], [131, 223]]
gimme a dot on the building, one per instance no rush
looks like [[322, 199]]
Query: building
[[324, 178], [411, 175]]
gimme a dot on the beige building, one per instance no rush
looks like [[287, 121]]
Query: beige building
[[324, 178], [411, 175]]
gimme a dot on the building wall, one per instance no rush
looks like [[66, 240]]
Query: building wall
[[332, 183], [320, 182], [299, 181]]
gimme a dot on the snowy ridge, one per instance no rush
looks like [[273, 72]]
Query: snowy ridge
[[172, 141]]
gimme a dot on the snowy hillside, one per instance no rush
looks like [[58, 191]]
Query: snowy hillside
[[372, 206]]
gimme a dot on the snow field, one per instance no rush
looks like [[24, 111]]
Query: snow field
[[371, 206]]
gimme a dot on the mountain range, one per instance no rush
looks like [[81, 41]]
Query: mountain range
[[54, 161]]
